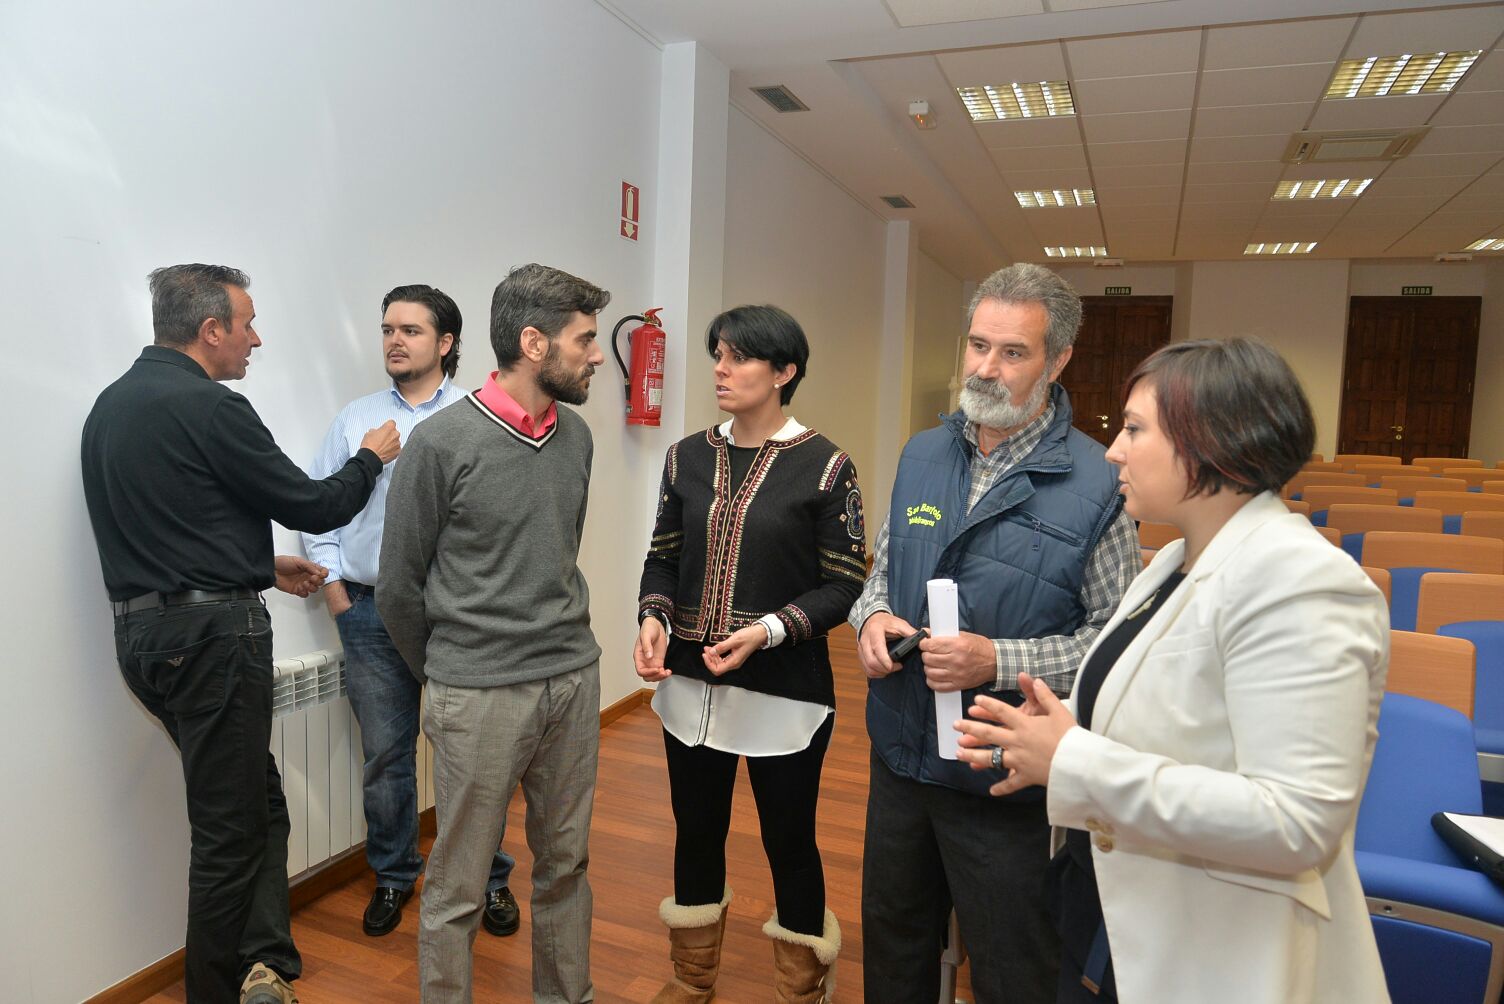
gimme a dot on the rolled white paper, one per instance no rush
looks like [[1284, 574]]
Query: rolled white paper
[[945, 622]]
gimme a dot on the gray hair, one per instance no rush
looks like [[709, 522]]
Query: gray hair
[[184, 296], [1024, 282]]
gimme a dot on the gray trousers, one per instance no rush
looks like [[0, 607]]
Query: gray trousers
[[546, 735]]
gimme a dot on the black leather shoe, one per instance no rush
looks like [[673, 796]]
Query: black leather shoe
[[501, 915], [385, 911]]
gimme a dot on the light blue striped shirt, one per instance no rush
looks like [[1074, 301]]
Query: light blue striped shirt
[[353, 552]]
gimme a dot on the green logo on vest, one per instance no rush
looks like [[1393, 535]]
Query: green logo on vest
[[923, 514]]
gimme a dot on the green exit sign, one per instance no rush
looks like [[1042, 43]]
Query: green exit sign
[[1415, 291], [1119, 291]]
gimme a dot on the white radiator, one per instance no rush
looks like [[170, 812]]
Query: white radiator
[[317, 745]]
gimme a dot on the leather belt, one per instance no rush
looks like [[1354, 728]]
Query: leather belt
[[147, 601]]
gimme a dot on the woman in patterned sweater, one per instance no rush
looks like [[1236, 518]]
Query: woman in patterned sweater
[[759, 549]]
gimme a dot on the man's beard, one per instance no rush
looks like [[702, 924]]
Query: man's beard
[[412, 372], [555, 379], [988, 402]]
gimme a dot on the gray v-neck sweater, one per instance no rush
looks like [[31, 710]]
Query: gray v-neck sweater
[[479, 582]]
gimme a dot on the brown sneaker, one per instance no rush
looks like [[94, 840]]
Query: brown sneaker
[[262, 986]]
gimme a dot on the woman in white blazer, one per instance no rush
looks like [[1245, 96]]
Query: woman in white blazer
[[1205, 776]]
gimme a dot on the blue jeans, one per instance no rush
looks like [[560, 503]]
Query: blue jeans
[[385, 695]]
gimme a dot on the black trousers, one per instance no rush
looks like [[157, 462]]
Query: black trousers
[[205, 671], [928, 848], [786, 788]]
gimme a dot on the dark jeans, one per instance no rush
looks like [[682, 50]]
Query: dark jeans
[[930, 847], [206, 672], [385, 696], [786, 788]]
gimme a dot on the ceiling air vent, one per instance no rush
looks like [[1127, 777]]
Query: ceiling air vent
[[1352, 144], [781, 98], [898, 201]]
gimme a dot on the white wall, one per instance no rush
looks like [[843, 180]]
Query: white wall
[[1297, 307], [332, 151], [1487, 440], [1145, 280], [1386, 278], [939, 332], [796, 240]]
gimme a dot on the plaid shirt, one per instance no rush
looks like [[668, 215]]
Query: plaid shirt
[[1111, 567]]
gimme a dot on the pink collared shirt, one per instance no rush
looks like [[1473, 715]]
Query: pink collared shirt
[[506, 408]]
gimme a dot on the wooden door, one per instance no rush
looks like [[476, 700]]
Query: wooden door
[[1407, 383], [1117, 333]]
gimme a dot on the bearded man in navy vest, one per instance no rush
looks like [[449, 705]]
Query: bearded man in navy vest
[[1023, 513]]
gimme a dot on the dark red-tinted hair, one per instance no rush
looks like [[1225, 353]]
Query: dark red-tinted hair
[[1235, 412]]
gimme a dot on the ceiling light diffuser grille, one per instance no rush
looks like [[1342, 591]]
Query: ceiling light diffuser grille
[[1383, 76], [1288, 247], [993, 102], [1056, 198], [1076, 252], [897, 201], [1326, 188], [1487, 244]]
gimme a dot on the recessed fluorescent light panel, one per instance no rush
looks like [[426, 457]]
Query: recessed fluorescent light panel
[[1327, 188], [1059, 197], [1487, 244], [995, 102], [1390, 76], [1065, 252], [1288, 247]]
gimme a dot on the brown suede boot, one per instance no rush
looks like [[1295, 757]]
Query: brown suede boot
[[694, 934], [805, 965]]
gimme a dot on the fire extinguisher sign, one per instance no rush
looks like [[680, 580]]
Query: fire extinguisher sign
[[631, 210]]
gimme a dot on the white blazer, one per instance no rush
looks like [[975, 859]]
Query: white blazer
[[1221, 778]]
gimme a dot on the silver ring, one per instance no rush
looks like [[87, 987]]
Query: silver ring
[[997, 758]]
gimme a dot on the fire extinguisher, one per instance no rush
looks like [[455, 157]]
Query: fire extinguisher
[[644, 381]]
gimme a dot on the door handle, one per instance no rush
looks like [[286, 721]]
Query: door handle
[[1397, 428], [1103, 419]]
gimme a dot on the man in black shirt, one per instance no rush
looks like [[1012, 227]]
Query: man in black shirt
[[182, 480]]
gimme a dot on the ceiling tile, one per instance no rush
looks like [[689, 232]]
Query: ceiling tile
[[1403, 112], [1334, 169], [1112, 177], [1115, 215], [1224, 149], [1221, 212], [1137, 126], [1279, 232], [1168, 152], [1004, 64], [1039, 158], [1441, 165], [1084, 233], [1463, 139], [1277, 44], [1321, 209], [1487, 74], [915, 13], [1148, 195], [1134, 55], [1145, 248], [1472, 108], [1427, 31], [1221, 174], [1401, 186], [1028, 180], [1029, 132], [1135, 94], [1370, 205], [1252, 120], [1264, 85], [1245, 191]]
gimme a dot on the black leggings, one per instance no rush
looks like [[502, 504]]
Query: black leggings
[[786, 788]]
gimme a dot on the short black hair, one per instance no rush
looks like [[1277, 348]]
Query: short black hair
[[537, 296], [763, 332], [184, 296], [1235, 412], [443, 313]]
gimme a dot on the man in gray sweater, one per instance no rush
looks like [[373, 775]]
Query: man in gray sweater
[[481, 593]]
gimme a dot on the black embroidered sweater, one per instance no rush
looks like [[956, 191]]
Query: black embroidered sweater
[[789, 540]]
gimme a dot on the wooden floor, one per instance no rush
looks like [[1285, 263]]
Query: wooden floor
[[631, 870]]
